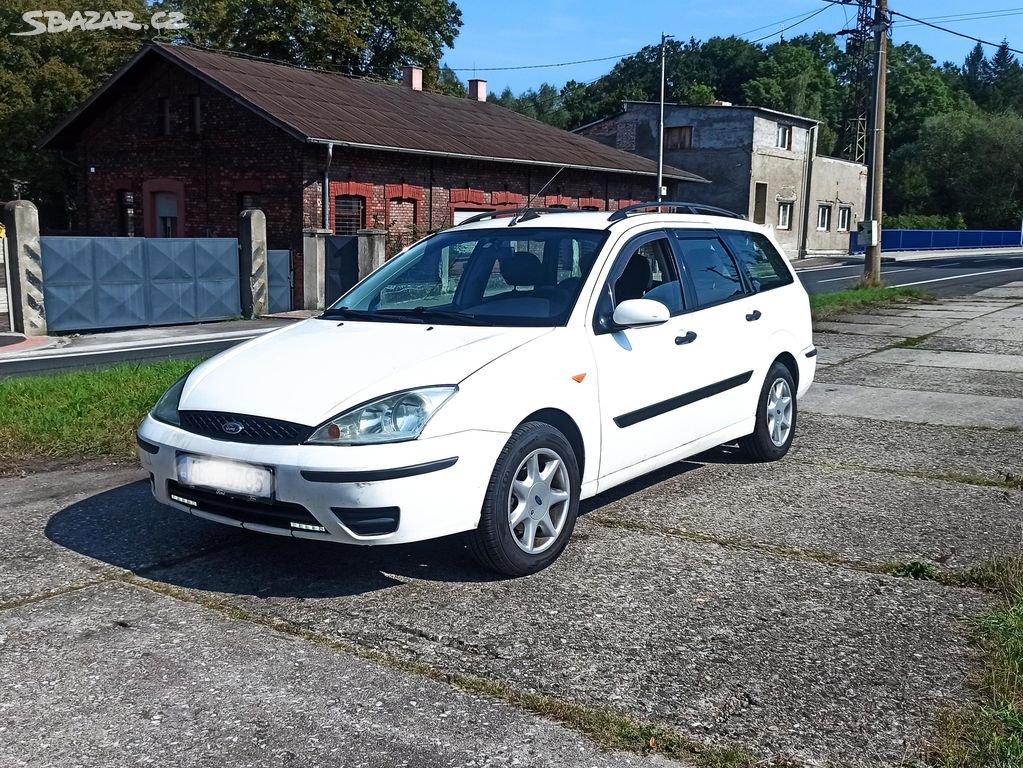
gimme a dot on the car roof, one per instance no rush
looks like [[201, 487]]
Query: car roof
[[600, 220]]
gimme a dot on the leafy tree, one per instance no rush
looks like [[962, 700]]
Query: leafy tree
[[972, 164], [42, 78], [360, 37]]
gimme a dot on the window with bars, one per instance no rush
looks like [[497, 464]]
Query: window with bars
[[349, 214]]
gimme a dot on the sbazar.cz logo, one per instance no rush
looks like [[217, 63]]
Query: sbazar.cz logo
[[40, 22]]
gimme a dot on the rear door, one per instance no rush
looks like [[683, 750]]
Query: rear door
[[775, 309], [721, 317]]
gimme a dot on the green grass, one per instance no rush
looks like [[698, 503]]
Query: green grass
[[825, 305], [82, 414], [990, 734]]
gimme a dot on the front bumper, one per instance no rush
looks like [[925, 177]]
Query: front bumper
[[432, 487]]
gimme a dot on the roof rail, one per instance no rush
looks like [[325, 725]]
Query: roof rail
[[679, 207], [518, 212]]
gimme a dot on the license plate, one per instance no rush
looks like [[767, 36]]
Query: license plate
[[225, 476]]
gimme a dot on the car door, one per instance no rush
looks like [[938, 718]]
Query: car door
[[722, 320], [773, 307], [645, 374]]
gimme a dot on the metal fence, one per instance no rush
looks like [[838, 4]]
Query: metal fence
[[942, 239], [117, 282], [279, 280]]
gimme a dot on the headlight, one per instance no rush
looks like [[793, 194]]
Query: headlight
[[388, 420], [166, 409]]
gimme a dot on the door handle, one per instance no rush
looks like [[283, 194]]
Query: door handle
[[754, 315], [687, 339]]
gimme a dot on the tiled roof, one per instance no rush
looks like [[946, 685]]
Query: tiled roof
[[317, 105]]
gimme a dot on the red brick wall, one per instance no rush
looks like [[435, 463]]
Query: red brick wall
[[239, 152], [234, 153]]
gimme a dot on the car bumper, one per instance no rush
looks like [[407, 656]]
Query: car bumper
[[377, 494]]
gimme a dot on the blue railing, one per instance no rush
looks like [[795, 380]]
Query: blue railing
[[941, 239]]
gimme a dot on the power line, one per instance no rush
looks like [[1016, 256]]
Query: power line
[[802, 18], [963, 18], [953, 32], [543, 66], [790, 26]]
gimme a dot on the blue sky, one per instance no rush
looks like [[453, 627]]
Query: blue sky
[[496, 34]]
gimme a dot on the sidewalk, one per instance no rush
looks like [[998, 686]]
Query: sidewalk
[[51, 354]]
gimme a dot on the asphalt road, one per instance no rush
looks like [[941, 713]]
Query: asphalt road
[[949, 276]]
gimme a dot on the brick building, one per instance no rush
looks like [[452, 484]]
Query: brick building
[[182, 139]]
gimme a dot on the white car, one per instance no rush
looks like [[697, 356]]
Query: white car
[[490, 377]]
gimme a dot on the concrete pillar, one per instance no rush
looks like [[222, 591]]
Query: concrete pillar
[[25, 268], [252, 263], [372, 250], [314, 267]]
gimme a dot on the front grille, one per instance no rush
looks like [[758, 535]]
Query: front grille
[[277, 514], [253, 429]]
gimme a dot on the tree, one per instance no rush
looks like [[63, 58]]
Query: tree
[[971, 163], [447, 82], [359, 37], [976, 74], [42, 78], [1005, 84]]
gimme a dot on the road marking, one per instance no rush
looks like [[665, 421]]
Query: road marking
[[821, 269], [833, 279], [850, 277], [957, 277]]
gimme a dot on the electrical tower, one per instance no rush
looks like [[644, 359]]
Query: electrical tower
[[858, 49]]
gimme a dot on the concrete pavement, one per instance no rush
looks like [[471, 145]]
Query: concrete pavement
[[739, 606]]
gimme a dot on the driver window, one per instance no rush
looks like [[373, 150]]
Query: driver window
[[649, 273]]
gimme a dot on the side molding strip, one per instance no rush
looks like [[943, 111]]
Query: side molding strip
[[657, 409]]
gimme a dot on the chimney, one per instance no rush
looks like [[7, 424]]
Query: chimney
[[478, 90], [412, 78]]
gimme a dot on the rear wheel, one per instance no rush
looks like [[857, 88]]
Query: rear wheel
[[531, 504], [776, 417]]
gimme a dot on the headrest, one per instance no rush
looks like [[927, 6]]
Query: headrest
[[635, 279], [521, 268]]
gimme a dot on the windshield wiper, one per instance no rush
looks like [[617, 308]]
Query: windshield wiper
[[431, 314], [373, 316]]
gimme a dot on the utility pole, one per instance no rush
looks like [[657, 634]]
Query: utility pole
[[660, 131], [875, 180]]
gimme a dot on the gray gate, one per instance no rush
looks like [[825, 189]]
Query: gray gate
[[279, 281], [116, 282], [342, 267]]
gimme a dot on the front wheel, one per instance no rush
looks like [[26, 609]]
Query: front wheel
[[531, 503], [776, 417]]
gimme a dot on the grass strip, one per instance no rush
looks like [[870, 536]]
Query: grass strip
[[85, 414], [990, 734], [825, 305]]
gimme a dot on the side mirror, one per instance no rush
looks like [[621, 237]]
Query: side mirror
[[638, 313]]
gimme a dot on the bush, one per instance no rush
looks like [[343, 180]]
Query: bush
[[925, 221]]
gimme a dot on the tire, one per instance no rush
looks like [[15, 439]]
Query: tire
[[762, 445], [497, 544]]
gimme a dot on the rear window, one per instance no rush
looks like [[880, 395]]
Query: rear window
[[759, 259]]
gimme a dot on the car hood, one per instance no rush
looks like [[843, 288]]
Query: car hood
[[313, 370]]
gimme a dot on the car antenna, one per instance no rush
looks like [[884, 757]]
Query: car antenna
[[526, 211]]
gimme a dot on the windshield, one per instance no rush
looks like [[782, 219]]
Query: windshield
[[498, 277]]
